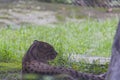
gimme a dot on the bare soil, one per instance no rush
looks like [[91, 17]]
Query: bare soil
[[34, 12]]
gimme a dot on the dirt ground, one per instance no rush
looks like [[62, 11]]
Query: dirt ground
[[34, 12]]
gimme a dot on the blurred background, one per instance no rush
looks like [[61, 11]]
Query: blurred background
[[81, 31]]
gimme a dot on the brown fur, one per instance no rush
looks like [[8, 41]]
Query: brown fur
[[36, 58], [39, 51]]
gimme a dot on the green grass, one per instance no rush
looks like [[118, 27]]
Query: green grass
[[89, 37], [10, 67], [92, 38]]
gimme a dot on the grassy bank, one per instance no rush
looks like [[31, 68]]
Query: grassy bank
[[88, 37]]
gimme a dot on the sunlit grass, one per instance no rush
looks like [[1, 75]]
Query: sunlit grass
[[92, 38], [89, 37], [11, 67]]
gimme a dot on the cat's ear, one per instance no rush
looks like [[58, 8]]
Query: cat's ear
[[35, 41]]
